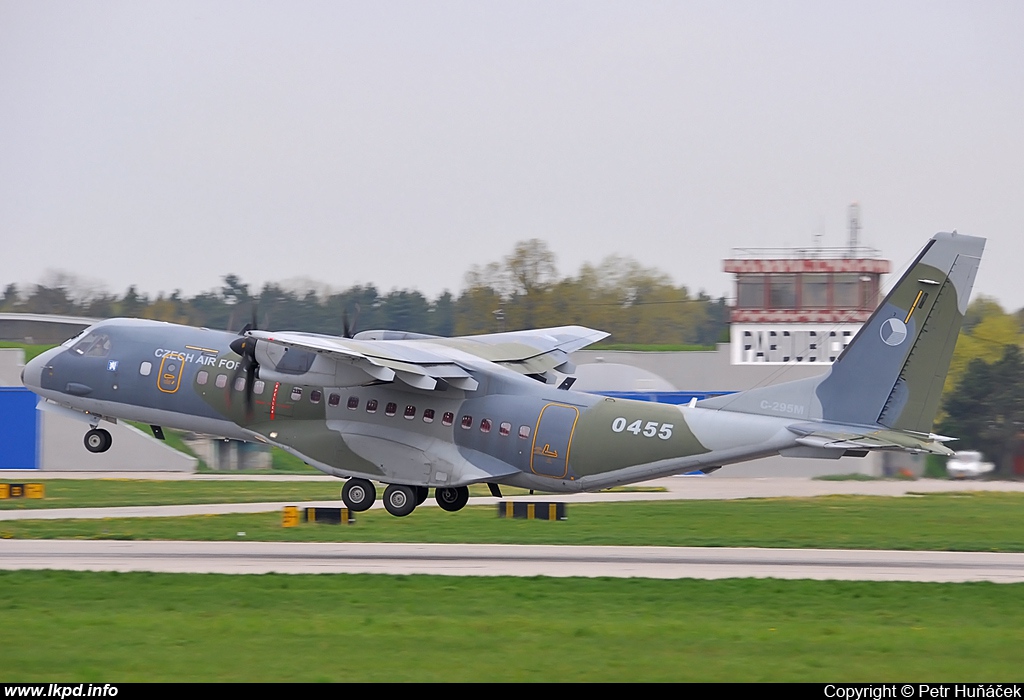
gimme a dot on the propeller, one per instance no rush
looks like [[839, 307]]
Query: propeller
[[348, 331], [245, 347]]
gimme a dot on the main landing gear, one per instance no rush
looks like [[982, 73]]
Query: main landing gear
[[98, 440], [400, 500], [452, 499], [358, 494]]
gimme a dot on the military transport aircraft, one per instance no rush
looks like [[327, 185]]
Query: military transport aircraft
[[418, 412]]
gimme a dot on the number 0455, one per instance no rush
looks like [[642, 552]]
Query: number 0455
[[648, 429]]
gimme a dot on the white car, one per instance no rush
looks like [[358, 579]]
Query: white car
[[967, 464]]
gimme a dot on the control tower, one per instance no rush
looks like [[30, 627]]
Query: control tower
[[802, 304]]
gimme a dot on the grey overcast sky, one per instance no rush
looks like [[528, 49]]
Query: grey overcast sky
[[166, 144]]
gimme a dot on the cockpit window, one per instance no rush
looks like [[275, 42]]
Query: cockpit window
[[93, 345], [72, 340]]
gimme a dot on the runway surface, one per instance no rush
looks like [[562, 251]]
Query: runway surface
[[510, 560], [525, 560]]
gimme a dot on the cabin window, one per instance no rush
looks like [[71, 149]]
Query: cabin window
[[428, 415], [410, 412], [335, 399], [258, 386], [240, 384], [391, 409], [524, 431], [353, 403], [202, 377], [504, 429], [145, 368], [448, 418], [467, 422], [485, 425], [221, 381], [371, 406], [315, 396], [296, 393]]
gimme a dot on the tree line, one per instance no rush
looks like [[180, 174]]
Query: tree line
[[635, 304], [983, 398]]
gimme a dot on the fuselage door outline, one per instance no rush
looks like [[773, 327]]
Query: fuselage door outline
[[168, 379], [552, 440]]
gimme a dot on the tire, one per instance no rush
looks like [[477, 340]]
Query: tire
[[98, 440], [358, 494], [452, 499], [399, 500], [421, 494]]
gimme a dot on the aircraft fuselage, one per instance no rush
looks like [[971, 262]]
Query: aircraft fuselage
[[511, 429]]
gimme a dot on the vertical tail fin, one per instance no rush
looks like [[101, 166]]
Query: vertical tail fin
[[893, 371]]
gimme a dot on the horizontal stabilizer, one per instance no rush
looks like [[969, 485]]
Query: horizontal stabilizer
[[851, 438]]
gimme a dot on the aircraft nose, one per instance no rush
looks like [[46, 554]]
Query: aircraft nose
[[32, 374]]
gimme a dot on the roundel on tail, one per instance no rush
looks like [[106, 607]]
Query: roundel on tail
[[893, 331]]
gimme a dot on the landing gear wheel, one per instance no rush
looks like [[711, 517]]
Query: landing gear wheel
[[358, 494], [421, 494], [399, 500], [452, 499], [98, 440]]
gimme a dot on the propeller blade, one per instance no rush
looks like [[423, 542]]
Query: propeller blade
[[348, 331], [250, 378], [245, 347]]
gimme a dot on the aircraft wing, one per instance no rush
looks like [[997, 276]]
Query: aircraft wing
[[527, 352], [424, 362], [841, 437], [354, 362]]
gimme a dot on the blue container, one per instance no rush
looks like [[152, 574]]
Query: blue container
[[19, 429]]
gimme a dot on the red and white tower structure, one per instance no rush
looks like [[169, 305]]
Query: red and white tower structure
[[802, 305]]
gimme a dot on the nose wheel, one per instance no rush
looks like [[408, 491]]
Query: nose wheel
[[98, 440]]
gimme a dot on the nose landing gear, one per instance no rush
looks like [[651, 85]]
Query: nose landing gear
[[98, 440]]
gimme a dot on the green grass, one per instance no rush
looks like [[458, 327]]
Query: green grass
[[92, 493], [958, 522], [111, 627], [98, 493], [286, 463], [31, 351]]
